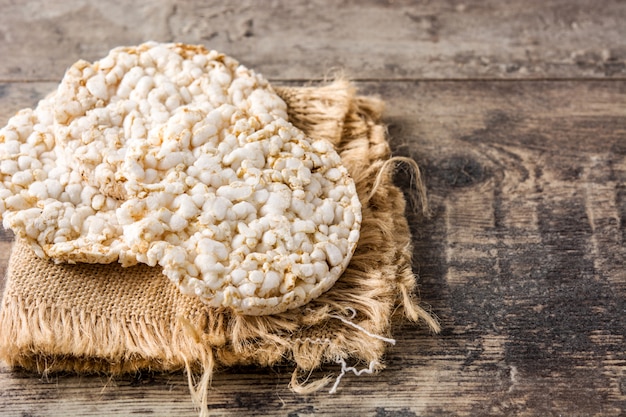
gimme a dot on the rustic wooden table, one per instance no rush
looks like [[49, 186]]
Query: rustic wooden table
[[516, 112]]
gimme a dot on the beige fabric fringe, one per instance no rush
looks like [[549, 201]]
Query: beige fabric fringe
[[104, 318]]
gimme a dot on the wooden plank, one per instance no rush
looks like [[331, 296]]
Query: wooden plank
[[522, 260], [307, 39], [16, 96], [524, 255]]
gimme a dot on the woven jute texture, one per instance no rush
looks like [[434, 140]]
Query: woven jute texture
[[104, 318]]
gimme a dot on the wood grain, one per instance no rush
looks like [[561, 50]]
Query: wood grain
[[304, 39], [516, 114], [525, 251]]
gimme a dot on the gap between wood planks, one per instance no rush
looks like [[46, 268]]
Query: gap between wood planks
[[399, 80]]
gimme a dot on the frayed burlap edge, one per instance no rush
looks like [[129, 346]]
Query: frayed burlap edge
[[104, 318]]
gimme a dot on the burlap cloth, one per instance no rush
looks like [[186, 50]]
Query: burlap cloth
[[104, 318]]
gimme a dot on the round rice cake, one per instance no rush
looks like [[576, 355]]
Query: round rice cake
[[174, 155]]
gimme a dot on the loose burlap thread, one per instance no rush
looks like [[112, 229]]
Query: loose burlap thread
[[88, 318]]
